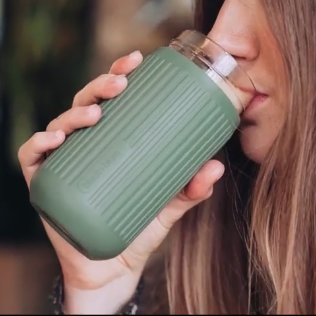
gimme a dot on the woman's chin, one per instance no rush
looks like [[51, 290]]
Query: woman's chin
[[253, 143]]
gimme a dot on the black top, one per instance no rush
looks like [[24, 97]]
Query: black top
[[57, 299]]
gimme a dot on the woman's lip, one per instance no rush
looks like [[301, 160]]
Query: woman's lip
[[256, 100], [255, 96], [251, 93]]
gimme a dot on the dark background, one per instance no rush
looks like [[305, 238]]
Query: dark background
[[49, 50]]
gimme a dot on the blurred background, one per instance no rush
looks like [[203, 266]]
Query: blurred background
[[49, 50]]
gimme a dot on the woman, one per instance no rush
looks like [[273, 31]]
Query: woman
[[248, 246]]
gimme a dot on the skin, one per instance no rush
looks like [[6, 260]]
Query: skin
[[242, 30], [87, 280]]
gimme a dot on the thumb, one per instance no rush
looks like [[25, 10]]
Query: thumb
[[198, 189]]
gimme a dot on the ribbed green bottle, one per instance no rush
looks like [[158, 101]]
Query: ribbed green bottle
[[106, 183]]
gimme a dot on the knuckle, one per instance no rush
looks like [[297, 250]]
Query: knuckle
[[165, 225], [50, 125], [76, 99], [21, 152], [115, 63]]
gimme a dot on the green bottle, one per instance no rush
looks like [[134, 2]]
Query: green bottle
[[106, 183]]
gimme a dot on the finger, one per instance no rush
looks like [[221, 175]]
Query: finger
[[102, 88], [126, 64], [31, 151], [201, 185], [76, 118], [199, 188], [110, 85]]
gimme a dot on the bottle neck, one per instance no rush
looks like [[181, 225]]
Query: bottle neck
[[217, 64]]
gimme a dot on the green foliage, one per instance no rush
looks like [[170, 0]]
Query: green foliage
[[44, 60]]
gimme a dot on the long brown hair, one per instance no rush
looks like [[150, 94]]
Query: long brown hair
[[251, 248]]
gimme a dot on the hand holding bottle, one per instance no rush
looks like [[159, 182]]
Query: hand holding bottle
[[103, 286]]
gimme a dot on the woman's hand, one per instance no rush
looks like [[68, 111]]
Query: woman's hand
[[117, 278]]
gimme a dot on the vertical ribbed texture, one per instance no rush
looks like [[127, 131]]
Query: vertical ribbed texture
[[151, 140]]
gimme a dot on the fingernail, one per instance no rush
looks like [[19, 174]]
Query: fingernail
[[135, 55], [92, 109], [59, 134], [120, 79], [218, 172]]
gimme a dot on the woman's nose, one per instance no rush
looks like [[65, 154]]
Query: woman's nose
[[234, 30]]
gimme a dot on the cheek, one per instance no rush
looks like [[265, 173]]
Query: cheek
[[257, 139]]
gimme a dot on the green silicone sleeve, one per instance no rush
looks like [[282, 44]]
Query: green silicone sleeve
[[106, 183]]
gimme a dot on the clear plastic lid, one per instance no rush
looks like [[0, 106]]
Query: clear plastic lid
[[218, 64]]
